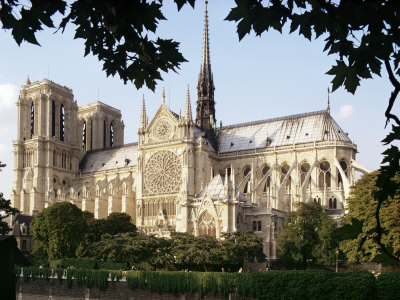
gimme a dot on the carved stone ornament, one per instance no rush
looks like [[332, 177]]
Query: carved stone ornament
[[162, 130], [162, 174]]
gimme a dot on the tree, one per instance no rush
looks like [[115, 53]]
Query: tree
[[114, 31], [6, 210], [307, 237], [359, 242], [139, 250], [364, 35], [95, 228], [58, 230]]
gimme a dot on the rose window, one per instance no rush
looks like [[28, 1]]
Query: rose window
[[162, 130], [162, 173]]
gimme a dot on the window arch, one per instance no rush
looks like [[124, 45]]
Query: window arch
[[332, 203], [53, 118], [62, 122], [267, 186], [207, 225], [284, 171], [111, 134], [264, 170], [304, 169], [32, 119], [324, 176], [317, 200]]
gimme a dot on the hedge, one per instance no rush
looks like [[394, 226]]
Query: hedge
[[85, 263], [89, 278], [309, 284], [388, 285]]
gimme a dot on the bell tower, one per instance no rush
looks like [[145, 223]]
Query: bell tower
[[46, 152]]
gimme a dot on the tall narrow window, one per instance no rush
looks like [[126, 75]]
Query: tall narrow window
[[111, 134], [53, 118], [104, 133], [84, 136], [32, 119], [62, 122]]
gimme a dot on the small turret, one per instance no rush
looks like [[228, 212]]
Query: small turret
[[188, 108], [143, 117]]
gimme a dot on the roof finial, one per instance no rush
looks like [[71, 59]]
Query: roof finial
[[143, 116], [27, 81], [163, 96], [329, 107], [188, 107]]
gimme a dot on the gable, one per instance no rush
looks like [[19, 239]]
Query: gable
[[163, 127]]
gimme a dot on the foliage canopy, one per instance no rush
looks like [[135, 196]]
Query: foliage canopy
[[307, 237], [359, 242], [117, 32]]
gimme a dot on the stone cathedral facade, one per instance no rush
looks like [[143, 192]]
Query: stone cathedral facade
[[183, 174]]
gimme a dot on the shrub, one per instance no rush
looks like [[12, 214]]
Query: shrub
[[85, 263], [388, 285]]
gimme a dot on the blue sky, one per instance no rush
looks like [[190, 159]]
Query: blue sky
[[260, 77]]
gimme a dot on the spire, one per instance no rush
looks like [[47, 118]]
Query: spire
[[205, 62], [328, 108], [163, 96], [27, 81], [188, 107], [143, 116], [205, 111]]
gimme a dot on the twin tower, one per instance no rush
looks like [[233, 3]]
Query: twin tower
[[54, 133]]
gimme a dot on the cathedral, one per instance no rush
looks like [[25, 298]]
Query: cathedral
[[183, 174]]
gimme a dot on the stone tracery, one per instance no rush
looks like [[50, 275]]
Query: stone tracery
[[162, 173]]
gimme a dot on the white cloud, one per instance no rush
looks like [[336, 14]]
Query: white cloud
[[345, 111], [6, 174], [8, 95], [8, 131]]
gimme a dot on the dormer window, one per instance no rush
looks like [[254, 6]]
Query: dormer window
[[268, 142]]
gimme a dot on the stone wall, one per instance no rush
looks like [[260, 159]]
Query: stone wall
[[36, 289]]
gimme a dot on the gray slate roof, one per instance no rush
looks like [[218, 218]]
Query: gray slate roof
[[111, 158], [301, 128]]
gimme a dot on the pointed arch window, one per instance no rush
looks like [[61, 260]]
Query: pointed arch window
[[332, 203], [324, 177], [53, 118], [32, 119], [84, 136], [111, 134], [62, 122]]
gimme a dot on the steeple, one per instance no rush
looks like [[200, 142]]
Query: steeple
[[329, 106], [205, 88], [163, 96], [188, 108], [205, 111], [143, 116]]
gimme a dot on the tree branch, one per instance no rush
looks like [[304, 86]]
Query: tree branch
[[393, 95]]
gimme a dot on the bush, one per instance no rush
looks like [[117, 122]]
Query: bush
[[307, 284], [388, 285], [85, 263]]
